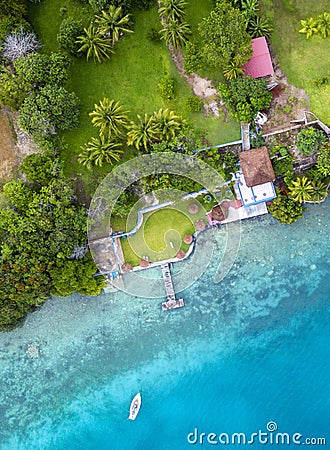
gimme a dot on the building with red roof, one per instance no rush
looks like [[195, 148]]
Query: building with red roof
[[260, 64]]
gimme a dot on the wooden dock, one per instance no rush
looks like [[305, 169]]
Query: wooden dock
[[171, 301], [245, 130]]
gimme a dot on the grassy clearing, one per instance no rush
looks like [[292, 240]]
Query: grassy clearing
[[302, 60], [131, 76], [160, 236], [159, 228]]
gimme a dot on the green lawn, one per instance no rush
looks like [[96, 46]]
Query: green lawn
[[159, 229], [302, 60], [131, 76]]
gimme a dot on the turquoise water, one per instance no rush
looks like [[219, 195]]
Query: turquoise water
[[242, 353]]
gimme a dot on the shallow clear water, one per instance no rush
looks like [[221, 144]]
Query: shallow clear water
[[249, 350]]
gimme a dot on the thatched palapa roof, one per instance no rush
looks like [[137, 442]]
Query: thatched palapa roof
[[219, 213], [180, 254], [144, 263], [256, 166], [188, 239], [200, 225], [126, 267], [193, 208]]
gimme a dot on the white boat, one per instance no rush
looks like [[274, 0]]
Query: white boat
[[135, 407]]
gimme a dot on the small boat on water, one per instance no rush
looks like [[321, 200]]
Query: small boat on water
[[135, 407]]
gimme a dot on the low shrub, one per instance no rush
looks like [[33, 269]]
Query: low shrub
[[194, 103], [166, 87], [310, 140], [69, 30], [282, 165], [192, 59], [153, 35]]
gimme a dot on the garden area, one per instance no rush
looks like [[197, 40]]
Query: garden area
[[305, 62], [130, 76], [162, 232]]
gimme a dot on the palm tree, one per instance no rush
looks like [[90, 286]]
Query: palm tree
[[301, 189], [175, 33], [110, 117], [112, 23], [168, 123], [99, 150], [309, 27], [173, 10], [233, 69], [259, 26], [94, 44], [323, 24], [319, 192], [250, 9], [143, 133]]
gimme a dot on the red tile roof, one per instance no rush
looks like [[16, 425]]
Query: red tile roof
[[260, 64]]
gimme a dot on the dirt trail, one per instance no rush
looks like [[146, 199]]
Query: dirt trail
[[202, 87], [15, 144], [288, 103]]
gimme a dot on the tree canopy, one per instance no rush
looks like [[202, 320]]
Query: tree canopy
[[310, 140], [39, 69], [47, 110], [246, 96], [286, 209], [224, 36], [41, 228]]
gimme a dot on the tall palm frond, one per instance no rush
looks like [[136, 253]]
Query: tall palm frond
[[143, 133], [259, 26], [250, 9], [94, 44], [233, 70], [309, 27], [175, 33], [173, 10], [112, 23], [168, 123], [301, 189], [323, 24], [99, 150], [109, 116], [319, 192]]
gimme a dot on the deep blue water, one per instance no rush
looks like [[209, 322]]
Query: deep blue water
[[251, 350]]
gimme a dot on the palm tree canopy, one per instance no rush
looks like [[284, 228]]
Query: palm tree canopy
[[250, 9], [323, 24], [168, 123], [98, 150], [112, 23], [143, 133], [320, 191], [301, 189], [94, 44], [259, 26], [233, 69], [110, 117], [309, 27], [173, 10], [175, 33]]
